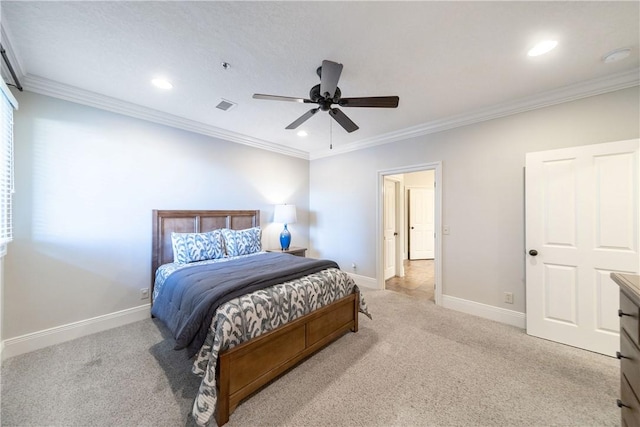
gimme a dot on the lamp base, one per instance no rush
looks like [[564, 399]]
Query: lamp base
[[285, 239]]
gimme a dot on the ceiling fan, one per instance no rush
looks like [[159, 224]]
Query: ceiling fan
[[327, 93]]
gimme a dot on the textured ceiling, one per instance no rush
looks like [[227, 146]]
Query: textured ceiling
[[443, 59]]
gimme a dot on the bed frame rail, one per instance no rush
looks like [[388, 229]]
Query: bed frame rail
[[251, 365]]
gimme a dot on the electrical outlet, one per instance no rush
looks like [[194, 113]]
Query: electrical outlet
[[144, 293], [508, 297]]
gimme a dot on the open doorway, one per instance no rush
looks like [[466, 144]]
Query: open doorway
[[409, 209]]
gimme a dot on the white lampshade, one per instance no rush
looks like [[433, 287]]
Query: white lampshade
[[285, 214]]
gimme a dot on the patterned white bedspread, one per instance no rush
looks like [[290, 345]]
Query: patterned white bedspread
[[254, 314]]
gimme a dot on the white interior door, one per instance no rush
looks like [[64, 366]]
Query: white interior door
[[421, 223], [390, 232], [582, 218]]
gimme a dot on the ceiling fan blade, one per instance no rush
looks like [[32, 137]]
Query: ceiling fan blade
[[303, 118], [343, 120], [280, 98], [371, 102], [329, 78]]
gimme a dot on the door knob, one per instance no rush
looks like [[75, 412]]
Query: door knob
[[395, 234], [533, 252], [412, 228]]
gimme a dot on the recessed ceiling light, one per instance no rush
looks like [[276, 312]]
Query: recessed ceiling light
[[162, 83], [542, 47], [616, 55], [302, 133]]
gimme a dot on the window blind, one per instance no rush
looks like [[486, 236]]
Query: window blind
[[7, 104]]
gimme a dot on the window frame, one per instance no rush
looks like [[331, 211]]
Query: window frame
[[7, 181]]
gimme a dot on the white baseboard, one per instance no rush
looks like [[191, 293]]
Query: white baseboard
[[41, 339], [364, 281], [510, 317], [37, 340]]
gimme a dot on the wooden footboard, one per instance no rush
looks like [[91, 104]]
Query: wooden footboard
[[244, 369]]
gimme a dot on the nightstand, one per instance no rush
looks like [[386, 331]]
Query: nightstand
[[293, 250]]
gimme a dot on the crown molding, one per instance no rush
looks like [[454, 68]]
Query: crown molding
[[55, 89], [59, 90], [569, 93]]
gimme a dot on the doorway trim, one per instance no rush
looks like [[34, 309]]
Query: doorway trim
[[437, 168]]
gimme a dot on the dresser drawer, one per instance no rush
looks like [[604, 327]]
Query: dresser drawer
[[629, 318], [631, 406], [630, 361]]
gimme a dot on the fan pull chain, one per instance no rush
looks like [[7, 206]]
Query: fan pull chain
[[330, 134]]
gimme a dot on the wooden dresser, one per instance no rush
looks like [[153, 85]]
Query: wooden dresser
[[629, 353]]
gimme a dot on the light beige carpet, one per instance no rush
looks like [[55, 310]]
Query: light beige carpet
[[414, 364]]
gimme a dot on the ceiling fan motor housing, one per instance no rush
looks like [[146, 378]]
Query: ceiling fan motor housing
[[323, 102]]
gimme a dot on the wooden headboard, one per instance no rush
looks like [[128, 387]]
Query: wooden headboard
[[165, 222]]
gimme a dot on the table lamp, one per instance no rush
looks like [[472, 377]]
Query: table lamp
[[285, 214]]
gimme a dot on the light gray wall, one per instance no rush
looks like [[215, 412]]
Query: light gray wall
[[86, 182], [483, 191]]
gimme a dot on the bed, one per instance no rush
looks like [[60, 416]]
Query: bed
[[251, 338]]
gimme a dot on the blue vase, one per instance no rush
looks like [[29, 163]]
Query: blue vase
[[285, 239]]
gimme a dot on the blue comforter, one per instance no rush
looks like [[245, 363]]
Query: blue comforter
[[190, 296]]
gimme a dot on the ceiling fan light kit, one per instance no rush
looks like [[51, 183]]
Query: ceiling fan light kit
[[327, 94]]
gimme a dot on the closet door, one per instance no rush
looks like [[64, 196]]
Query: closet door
[[582, 223]]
